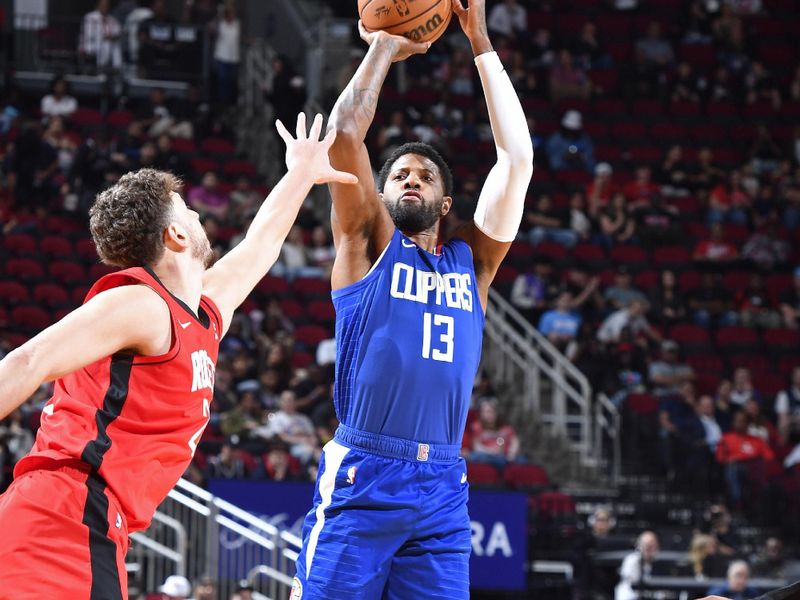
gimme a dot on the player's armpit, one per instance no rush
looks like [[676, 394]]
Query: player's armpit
[[131, 318]]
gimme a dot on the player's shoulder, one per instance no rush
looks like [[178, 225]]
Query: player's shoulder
[[137, 299]]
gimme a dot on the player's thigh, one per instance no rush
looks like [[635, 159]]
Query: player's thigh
[[429, 575], [45, 547]]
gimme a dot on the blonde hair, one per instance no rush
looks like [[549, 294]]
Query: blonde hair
[[699, 549]]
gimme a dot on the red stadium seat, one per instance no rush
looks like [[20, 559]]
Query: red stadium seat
[[32, 318], [551, 250], [86, 250], [204, 165], [217, 146], [56, 246], [26, 269], [781, 341], [632, 256], [311, 287], [292, 309], [87, 117], [706, 363], [687, 334], [301, 360], [272, 286], [554, 505], [13, 292], [67, 272], [479, 474], [735, 281], [590, 255], [769, 384], [610, 108], [519, 476], [100, 270], [234, 168], [51, 294], [688, 281], [322, 311], [20, 244], [700, 56], [641, 404], [755, 362], [119, 119], [646, 280], [627, 131], [613, 26], [183, 146], [707, 383], [734, 338], [671, 257], [311, 335]]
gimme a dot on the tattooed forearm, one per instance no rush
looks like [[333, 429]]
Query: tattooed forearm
[[364, 102]]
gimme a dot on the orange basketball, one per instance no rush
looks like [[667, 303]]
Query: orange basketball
[[419, 20]]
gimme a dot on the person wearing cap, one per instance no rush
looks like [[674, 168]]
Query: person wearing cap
[[668, 374], [622, 292], [790, 303], [568, 79], [570, 147], [176, 587], [600, 190]]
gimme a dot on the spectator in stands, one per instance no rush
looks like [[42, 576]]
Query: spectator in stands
[[738, 453], [321, 251], [157, 48], [657, 223], [244, 201], [226, 53], [570, 147], [765, 249], [637, 567], [642, 190], [617, 226], [292, 427], [568, 80], [601, 189], [621, 293], [754, 305], [629, 320], [736, 587], [715, 249], [653, 49], [706, 413], [15, 442], [100, 37], [242, 420], [55, 136], [720, 525], [765, 153], [742, 389], [206, 199], [579, 220], [705, 174], [771, 562], [588, 50], [709, 303], [244, 591], [169, 160], [493, 440], [542, 51], [760, 426], [550, 224], [176, 587], [673, 176], [759, 85], [790, 302], [508, 18], [33, 165], [787, 407], [667, 375], [131, 30], [228, 464], [561, 324], [278, 465], [685, 86], [58, 103], [294, 258], [586, 297], [668, 304], [729, 202], [205, 589], [534, 290], [701, 548]]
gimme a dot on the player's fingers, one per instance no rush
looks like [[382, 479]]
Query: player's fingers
[[341, 177], [283, 132], [316, 127], [458, 8], [365, 33], [330, 137], [301, 126]]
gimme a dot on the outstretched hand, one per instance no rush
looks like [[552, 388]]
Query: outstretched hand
[[403, 47], [472, 19], [309, 153]]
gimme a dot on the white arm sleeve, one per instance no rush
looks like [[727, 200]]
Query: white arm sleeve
[[502, 198]]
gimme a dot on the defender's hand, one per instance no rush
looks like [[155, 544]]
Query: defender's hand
[[402, 46], [473, 21], [309, 154]]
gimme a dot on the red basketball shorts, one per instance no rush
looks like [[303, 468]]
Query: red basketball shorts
[[63, 537]]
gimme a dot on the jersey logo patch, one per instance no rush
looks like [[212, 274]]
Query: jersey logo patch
[[422, 452], [185, 325], [297, 590], [118, 522], [351, 475]]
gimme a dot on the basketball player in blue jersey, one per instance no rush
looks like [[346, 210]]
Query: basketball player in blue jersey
[[390, 508]]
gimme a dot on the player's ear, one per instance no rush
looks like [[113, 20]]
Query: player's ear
[[176, 238], [447, 204]]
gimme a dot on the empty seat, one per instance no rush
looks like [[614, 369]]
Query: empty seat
[[67, 272], [482, 474], [218, 146], [311, 335], [311, 287], [25, 269], [734, 338], [51, 294], [20, 244], [56, 246], [519, 475], [13, 292], [30, 318]]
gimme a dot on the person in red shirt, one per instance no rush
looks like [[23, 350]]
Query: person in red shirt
[[493, 440], [641, 190], [742, 457], [715, 249], [134, 376]]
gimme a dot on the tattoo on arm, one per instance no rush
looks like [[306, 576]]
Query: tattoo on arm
[[364, 102]]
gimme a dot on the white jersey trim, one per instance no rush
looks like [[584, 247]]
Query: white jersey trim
[[334, 455]]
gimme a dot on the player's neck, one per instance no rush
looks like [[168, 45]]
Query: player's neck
[[182, 276], [427, 240]]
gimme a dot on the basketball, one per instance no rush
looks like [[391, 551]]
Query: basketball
[[419, 20]]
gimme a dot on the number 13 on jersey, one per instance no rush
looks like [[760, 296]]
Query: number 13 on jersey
[[442, 326]]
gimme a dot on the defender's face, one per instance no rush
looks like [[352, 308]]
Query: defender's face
[[190, 221], [414, 193]]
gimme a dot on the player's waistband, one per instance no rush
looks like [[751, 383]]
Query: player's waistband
[[392, 447]]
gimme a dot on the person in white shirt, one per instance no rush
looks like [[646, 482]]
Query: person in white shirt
[[787, 407], [135, 18], [705, 412], [637, 567], [100, 37], [58, 103], [631, 317], [294, 428], [226, 53], [508, 18]]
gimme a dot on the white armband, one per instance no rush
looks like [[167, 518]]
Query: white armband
[[502, 199]]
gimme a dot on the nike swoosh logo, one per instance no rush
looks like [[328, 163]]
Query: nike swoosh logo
[[463, 478], [408, 244], [185, 325]]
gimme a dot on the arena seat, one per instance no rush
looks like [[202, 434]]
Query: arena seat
[[67, 272], [13, 292], [525, 476], [706, 363], [482, 474], [217, 146], [56, 246], [687, 334], [20, 244], [26, 269], [322, 311], [311, 287], [31, 318], [311, 335], [51, 295], [781, 341], [736, 339], [292, 309]]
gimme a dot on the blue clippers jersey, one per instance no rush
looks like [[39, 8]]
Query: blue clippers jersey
[[408, 343]]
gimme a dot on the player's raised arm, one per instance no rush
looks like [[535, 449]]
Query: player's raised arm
[[129, 318], [360, 222], [232, 279], [502, 199]]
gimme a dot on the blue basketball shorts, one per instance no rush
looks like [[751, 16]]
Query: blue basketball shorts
[[389, 521]]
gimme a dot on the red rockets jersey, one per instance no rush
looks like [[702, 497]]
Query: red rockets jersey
[[135, 420]]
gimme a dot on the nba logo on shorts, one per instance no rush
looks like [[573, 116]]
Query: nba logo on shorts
[[422, 452], [351, 475], [297, 590]]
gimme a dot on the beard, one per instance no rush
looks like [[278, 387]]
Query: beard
[[414, 218], [201, 249]]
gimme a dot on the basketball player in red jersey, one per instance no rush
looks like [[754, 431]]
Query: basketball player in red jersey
[[134, 377]]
